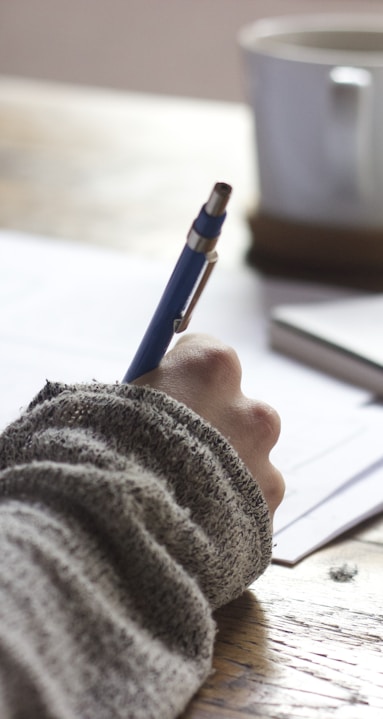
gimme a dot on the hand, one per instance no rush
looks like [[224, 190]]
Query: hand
[[206, 375]]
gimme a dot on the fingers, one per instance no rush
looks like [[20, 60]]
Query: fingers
[[272, 485], [205, 374], [253, 429]]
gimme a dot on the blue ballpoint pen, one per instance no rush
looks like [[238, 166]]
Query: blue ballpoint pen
[[195, 263]]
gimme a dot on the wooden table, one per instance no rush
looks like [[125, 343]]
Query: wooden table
[[124, 170]]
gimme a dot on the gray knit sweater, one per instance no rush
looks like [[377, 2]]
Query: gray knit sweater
[[125, 520]]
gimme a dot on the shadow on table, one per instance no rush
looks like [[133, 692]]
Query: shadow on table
[[241, 665]]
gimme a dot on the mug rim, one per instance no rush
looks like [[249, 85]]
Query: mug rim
[[265, 37]]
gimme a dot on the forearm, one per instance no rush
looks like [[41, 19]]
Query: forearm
[[118, 548]]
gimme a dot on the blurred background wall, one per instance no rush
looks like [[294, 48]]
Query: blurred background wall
[[176, 47]]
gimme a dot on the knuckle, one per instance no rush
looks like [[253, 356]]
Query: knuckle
[[275, 490], [222, 364], [265, 422], [216, 364]]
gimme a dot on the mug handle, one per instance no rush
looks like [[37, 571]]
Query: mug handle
[[349, 129]]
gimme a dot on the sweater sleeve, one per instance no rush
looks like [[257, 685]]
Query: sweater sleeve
[[125, 520]]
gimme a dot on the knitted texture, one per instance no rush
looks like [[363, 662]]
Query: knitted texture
[[125, 520]]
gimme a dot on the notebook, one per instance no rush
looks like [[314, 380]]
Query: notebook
[[343, 337]]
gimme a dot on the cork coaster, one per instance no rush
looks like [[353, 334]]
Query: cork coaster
[[328, 254]]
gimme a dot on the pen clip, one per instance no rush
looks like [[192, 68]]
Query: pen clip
[[181, 323]]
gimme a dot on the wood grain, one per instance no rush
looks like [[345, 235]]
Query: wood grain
[[122, 170], [299, 644]]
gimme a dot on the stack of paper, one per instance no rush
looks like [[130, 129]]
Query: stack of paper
[[338, 484], [73, 313], [344, 338]]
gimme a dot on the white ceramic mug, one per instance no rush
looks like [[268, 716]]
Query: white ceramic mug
[[315, 84]]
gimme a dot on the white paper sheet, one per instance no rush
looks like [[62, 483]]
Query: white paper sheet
[[74, 313], [359, 500], [343, 446]]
